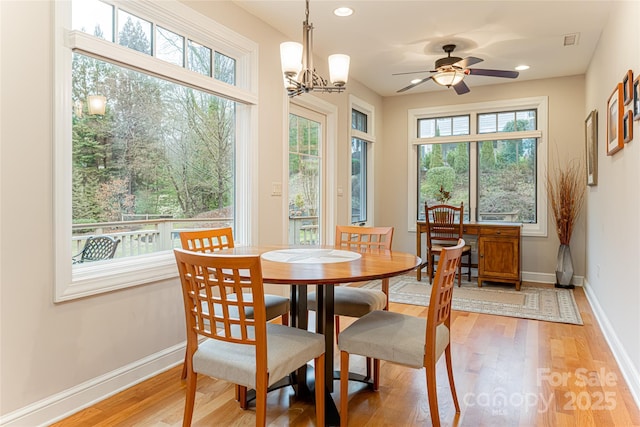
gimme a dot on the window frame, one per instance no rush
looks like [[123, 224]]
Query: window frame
[[95, 278], [369, 138], [541, 134]]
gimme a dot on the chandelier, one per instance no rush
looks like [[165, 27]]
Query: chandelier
[[297, 65]]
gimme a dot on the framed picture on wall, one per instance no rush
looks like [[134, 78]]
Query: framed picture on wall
[[627, 126], [591, 139], [627, 89], [636, 99], [615, 139]]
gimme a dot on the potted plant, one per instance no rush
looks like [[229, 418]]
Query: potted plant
[[565, 193], [443, 196]]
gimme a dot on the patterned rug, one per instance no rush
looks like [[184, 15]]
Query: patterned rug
[[539, 302]]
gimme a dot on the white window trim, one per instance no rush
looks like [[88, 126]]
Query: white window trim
[[96, 278], [539, 103], [370, 137]]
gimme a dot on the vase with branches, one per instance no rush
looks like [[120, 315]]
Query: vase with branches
[[565, 194]]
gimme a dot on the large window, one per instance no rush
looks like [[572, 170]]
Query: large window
[[489, 156], [153, 137], [361, 163], [358, 169]]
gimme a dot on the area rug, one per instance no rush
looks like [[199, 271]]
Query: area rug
[[539, 302]]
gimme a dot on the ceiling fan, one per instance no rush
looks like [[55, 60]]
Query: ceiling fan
[[450, 72]]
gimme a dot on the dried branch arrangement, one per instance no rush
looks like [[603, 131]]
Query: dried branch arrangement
[[565, 193]]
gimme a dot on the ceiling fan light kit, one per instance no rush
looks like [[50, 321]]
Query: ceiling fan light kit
[[448, 78], [451, 70], [297, 65]]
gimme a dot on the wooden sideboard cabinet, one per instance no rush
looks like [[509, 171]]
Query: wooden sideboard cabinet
[[498, 250]]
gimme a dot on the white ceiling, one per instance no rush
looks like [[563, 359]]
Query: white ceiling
[[386, 37]]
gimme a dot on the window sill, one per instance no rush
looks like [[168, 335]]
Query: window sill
[[99, 277]]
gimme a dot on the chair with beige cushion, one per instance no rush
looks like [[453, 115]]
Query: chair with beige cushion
[[444, 228], [237, 348], [353, 301], [407, 340], [206, 241]]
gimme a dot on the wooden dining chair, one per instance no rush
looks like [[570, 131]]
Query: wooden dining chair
[[218, 291], [444, 228], [406, 340], [352, 301], [211, 240]]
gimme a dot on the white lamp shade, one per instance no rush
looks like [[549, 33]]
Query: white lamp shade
[[339, 69], [97, 104], [291, 58], [448, 78]]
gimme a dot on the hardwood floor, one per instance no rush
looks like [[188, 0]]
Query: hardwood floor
[[508, 372]]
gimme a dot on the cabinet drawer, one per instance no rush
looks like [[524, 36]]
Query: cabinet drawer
[[500, 231]]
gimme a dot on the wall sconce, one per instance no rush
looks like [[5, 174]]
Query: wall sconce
[[97, 104]]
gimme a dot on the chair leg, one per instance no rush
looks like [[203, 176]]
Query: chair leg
[[320, 389], [469, 264], [376, 374], [447, 355], [241, 393], [459, 274], [344, 388], [432, 394], [285, 319], [261, 402], [190, 399], [336, 320], [183, 376]]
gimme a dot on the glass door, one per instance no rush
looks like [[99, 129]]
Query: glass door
[[305, 189]]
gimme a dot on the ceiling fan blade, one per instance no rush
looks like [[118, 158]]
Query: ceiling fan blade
[[410, 72], [414, 84], [468, 61], [461, 88], [493, 73]]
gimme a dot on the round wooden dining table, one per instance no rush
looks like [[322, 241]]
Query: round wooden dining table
[[324, 267]]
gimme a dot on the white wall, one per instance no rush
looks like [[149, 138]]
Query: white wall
[[613, 221]]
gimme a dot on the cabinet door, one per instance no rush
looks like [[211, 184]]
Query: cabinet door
[[498, 257]]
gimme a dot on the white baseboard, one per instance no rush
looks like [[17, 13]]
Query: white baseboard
[[531, 276], [61, 405], [629, 372]]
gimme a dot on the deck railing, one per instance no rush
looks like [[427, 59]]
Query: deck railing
[[145, 236], [303, 230], [142, 237]]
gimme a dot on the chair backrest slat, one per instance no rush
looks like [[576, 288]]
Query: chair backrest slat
[[444, 224], [218, 291], [207, 240], [363, 238], [442, 291]]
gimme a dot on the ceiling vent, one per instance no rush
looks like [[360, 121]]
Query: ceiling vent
[[571, 39]]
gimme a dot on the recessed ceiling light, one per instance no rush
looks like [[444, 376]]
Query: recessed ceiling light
[[343, 11], [522, 67], [414, 81]]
